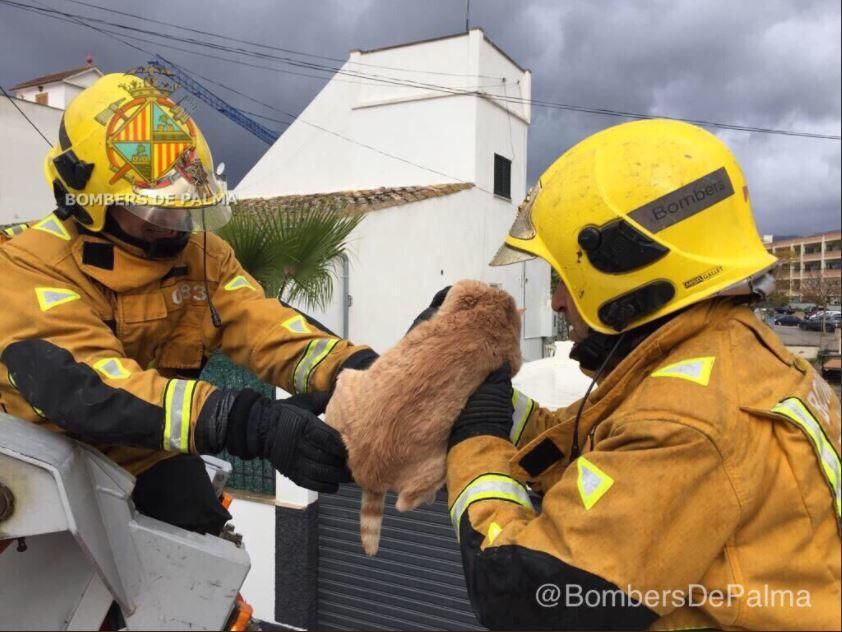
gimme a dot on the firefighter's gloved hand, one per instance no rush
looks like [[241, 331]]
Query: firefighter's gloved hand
[[315, 402], [300, 446], [488, 411], [431, 310]]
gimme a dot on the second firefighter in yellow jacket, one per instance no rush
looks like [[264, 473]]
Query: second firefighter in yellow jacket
[[113, 303], [699, 485]]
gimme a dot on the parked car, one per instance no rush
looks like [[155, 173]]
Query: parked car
[[788, 321], [815, 324], [784, 310], [823, 314]]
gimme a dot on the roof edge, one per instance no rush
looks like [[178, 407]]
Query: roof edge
[[358, 201], [56, 77], [444, 37]]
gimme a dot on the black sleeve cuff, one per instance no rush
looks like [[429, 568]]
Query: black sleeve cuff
[[238, 440], [360, 360], [461, 433]]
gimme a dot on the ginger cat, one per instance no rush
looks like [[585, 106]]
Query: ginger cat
[[395, 417]]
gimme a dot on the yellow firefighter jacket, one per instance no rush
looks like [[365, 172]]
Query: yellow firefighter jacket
[[708, 491], [105, 343]]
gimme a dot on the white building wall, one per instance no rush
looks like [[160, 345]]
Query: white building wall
[[436, 136], [307, 159], [401, 256], [409, 136], [24, 194], [55, 94], [85, 80], [431, 134]]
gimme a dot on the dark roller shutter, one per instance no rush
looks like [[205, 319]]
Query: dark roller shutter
[[414, 583]]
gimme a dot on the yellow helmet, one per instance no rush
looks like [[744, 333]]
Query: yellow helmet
[[122, 141], [640, 220]]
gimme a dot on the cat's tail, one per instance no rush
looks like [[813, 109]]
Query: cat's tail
[[371, 519]]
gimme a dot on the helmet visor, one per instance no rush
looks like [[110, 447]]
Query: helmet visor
[[188, 220], [179, 191], [522, 229], [507, 255]]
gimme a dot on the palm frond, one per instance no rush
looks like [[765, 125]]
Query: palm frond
[[293, 254]]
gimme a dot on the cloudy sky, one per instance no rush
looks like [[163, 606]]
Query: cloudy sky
[[763, 63]]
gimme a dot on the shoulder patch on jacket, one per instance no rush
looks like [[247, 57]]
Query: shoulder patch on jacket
[[52, 226], [49, 297], [238, 282], [593, 483], [696, 370], [297, 325]]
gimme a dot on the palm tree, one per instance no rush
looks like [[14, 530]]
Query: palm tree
[[293, 254]]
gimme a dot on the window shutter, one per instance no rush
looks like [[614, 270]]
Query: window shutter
[[502, 176]]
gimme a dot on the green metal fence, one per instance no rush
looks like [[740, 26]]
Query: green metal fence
[[257, 475]]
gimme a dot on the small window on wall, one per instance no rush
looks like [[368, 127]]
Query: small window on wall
[[41, 98], [502, 176]]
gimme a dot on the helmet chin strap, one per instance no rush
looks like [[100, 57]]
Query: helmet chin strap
[[165, 248]]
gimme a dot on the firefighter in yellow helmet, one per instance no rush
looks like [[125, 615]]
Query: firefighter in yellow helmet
[[115, 301], [699, 485]]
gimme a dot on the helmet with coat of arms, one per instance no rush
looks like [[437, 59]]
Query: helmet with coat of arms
[[641, 220], [124, 142]]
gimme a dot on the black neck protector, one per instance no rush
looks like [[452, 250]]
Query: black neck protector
[[592, 351], [158, 249]]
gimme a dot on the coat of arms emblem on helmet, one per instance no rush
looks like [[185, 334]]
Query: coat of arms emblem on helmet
[[147, 136]]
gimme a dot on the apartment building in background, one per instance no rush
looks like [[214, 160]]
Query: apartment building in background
[[810, 268]]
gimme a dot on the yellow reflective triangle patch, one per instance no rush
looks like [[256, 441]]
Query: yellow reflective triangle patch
[[53, 226], [238, 282], [296, 325], [695, 370], [592, 482], [49, 297], [112, 368]]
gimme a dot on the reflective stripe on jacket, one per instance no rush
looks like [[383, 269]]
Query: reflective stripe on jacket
[[106, 344], [708, 493]]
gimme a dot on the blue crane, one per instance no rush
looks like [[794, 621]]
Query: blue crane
[[200, 92]]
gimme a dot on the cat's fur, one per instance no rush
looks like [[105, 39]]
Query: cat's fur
[[395, 417]]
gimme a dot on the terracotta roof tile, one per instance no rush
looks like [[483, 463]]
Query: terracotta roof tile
[[57, 76], [351, 202]]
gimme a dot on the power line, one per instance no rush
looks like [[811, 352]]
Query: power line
[[394, 81], [332, 70], [435, 87], [505, 97], [28, 120], [276, 48], [291, 116], [366, 82]]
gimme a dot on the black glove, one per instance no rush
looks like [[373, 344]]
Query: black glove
[[430, 311], [488, 411], [299, 445], [315, 402]]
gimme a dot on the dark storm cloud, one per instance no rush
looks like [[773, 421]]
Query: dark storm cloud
[[770, 64]]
